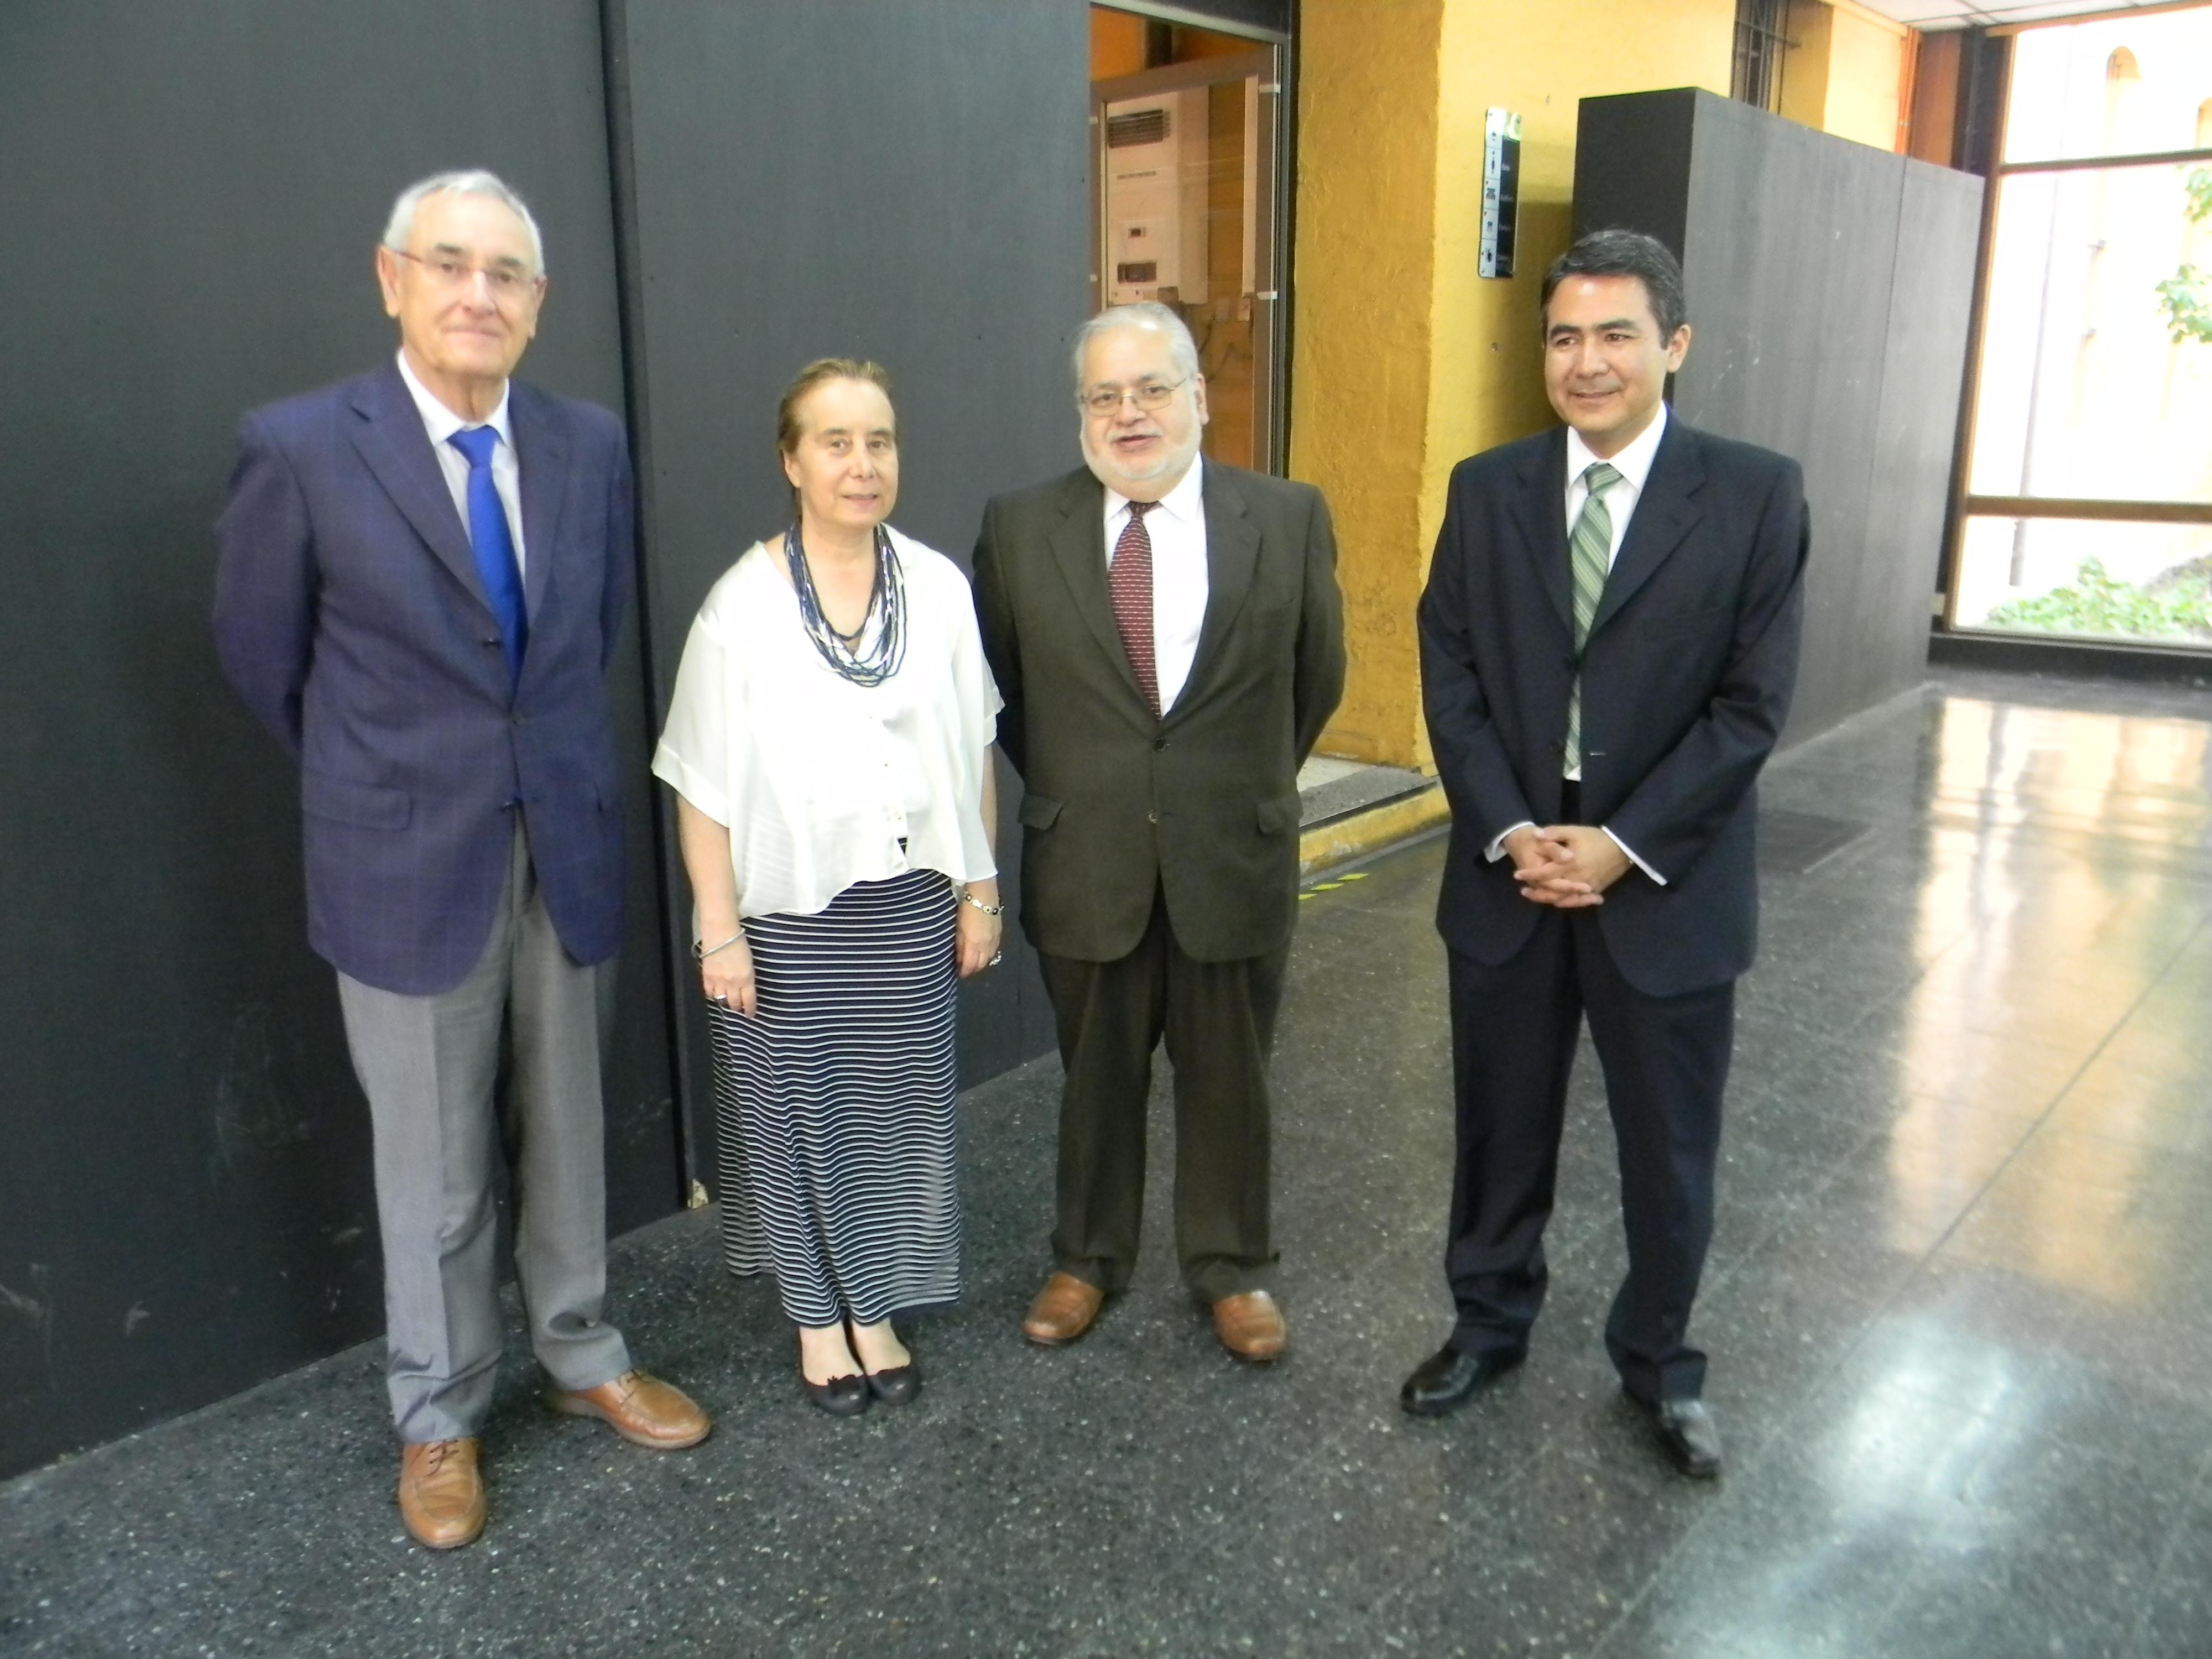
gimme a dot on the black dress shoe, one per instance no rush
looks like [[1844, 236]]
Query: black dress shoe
[[1686, 1429], [1448, 1379], [896, 1385]]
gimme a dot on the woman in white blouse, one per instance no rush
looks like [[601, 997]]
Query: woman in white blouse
[[828, 744]]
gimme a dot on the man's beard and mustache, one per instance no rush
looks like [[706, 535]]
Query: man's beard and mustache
[[1109, 466]]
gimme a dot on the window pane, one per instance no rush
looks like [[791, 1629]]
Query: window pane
[[2118, 86], [2127, 581], [2085, 392]]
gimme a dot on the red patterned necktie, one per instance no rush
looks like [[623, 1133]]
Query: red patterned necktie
[[1129, 580]]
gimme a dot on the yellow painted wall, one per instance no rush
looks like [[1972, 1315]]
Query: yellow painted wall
[[1359, 381], [1406, 360], [1844, 71], [1866, 76]]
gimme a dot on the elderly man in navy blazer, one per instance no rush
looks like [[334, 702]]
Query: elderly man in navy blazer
[[1608, 646], [422, 575]]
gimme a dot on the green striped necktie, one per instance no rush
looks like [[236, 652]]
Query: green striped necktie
[[1589, 552]]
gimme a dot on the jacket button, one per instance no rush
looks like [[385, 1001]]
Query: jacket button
[[522, 719], [1151, 817], [1159, 743]]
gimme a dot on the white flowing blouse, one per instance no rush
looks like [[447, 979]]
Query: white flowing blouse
[[818, 779]]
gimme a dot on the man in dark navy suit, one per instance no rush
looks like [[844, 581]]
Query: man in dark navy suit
[[422, 575], [1608, 643]]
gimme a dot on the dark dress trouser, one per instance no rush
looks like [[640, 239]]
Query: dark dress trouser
[[1218, 1019], [1666, 1062]]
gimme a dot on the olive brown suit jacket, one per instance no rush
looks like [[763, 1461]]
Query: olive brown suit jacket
[[1200, 805]]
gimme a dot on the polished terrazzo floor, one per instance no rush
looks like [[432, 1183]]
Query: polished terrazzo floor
[[1959, 1305]]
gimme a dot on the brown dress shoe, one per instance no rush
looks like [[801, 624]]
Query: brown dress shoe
[[1063, 1310], [643, 1409], [1250, 1325], [441, 1495]]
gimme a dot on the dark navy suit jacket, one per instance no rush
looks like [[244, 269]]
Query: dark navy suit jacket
[[349, 615], [1687, 678]]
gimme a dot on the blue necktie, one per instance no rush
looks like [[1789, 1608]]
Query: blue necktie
[[494, 543]]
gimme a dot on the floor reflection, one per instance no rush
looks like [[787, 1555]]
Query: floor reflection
[[2026, 929]]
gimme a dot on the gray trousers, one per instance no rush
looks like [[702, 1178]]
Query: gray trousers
[[428, 1066]]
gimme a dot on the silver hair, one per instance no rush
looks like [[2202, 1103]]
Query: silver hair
[[467, 181], [1144, 314]]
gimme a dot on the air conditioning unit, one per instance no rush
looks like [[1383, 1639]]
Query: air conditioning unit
[[1155, 179]]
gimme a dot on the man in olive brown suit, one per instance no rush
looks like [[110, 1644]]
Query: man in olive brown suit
[[1169, 639]]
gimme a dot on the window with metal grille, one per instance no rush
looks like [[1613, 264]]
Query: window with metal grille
[[1760, 46]]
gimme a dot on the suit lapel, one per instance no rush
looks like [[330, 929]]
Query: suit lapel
[[1232, 556], [1078, 547], [1665, 511], [541, 451], [397, 450], [1541, 511]]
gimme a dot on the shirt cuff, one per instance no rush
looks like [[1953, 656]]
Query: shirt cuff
[[1497, 847], [1633, 860]]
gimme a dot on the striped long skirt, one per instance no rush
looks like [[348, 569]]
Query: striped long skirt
[[834, 1105]]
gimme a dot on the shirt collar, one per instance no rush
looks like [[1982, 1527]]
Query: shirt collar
[[1185, 502], [1633, 463], [440, 421]]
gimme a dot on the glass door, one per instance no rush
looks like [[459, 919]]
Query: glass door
[[2089, 482], [1187, 186]]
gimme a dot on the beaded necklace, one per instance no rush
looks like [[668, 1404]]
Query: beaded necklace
[[841, 651]]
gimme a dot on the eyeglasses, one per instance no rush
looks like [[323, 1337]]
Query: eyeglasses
[[504, 281], [1147, 395]]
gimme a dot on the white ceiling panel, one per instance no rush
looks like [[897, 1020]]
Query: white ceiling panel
[[1958, 14]]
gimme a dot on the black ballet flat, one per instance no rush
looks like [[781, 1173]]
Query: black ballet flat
[[898, 1385], [841, 1396], [895, 1384]]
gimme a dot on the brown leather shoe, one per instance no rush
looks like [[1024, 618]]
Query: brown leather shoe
[[643, 1409], [1065, 1309], [441, 1495], [1250, 1325]]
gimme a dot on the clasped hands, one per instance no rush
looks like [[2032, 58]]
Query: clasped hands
[[1566, 865]]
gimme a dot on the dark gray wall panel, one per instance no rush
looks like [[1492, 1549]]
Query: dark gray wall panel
[[1819, 333], [1939, 228], [1640, 180], [908, 183], [185, 1199], [1792, 240]]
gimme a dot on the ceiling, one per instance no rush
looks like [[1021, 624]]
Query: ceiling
[[1958, 14]]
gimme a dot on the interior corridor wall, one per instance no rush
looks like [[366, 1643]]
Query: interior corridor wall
[[1830, 286], [193, 190], [1405, 360], [907, 183]]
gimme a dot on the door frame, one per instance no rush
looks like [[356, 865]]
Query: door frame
[[1270, 217]]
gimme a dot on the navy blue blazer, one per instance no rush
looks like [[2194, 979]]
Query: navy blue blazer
[[349, 615], [1686, 679]]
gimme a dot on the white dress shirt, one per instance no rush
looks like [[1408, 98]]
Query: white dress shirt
[[1177, 526], [1634, 465], [441, 422], [823, 783]]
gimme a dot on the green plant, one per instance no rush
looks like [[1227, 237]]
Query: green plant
[[2185, 297], [2098, 603]]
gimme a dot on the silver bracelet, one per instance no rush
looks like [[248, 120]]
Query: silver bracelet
[[967, 897], [698, 954]]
